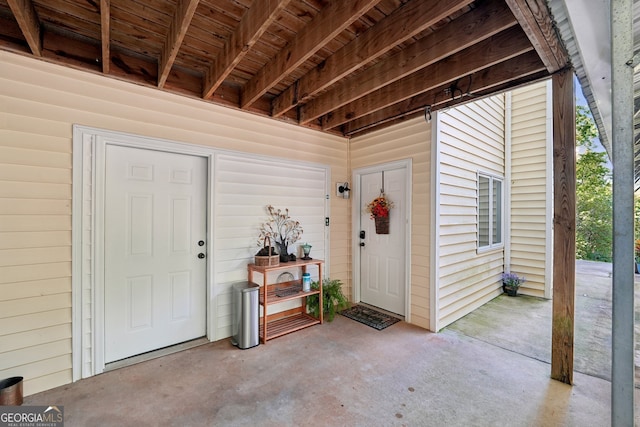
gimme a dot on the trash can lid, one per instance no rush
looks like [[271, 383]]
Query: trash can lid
[[245, 286]]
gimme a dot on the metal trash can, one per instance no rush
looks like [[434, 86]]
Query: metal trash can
[[245, 315]]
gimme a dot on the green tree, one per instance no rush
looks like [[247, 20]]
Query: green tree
[[594, 234]]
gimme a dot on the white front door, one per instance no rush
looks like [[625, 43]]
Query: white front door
[[382, 256], [155, 228]]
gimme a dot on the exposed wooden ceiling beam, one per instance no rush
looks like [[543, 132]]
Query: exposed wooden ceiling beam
[[487, 20], [479, 24], [404, 23], [25, 14], [502, 46], [515, 71], [253, 24], [177, 30], [534, 18], [331, 20], [105, 30]]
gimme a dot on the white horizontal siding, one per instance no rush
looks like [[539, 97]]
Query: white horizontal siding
[[530, 192], [35, 251], [243, 188], [471, 139]]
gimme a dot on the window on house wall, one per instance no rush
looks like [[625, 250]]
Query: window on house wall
[[490, 211]]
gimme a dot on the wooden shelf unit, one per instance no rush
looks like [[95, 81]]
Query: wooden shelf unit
[[285, 322]]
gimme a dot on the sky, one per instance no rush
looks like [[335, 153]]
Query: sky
[[581, 100]]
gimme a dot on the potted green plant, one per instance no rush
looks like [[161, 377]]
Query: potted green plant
[[511, 283], [332, 296]]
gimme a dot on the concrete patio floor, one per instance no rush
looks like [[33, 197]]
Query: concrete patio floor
[[491, 368]]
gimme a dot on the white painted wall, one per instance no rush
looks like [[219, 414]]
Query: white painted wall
[[471, 139], [39, 104], [506, 139], [531, 206], [409, 140]]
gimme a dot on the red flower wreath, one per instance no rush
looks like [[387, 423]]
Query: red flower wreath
[[379, 207]]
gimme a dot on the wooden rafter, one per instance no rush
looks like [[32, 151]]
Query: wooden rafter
[[485, 21], [404, 23], [480, 83], [533, 16], [495, 49], [330, 22], [25, 14], [105, 30], [177, 30], [254, 23]]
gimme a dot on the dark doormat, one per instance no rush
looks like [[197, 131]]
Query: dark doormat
[[369, 317]]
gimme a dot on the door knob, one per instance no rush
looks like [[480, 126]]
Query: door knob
[[201, 255]]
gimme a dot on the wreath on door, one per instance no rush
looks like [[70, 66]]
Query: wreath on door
[[379, 208]]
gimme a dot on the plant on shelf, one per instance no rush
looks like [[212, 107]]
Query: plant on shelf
[[332, 296], [282, 230], [511, 283]]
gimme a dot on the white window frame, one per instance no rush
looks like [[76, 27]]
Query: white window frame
[[492, 245]]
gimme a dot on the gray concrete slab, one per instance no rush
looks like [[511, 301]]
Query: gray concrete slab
[[523, 324], [485, 370]]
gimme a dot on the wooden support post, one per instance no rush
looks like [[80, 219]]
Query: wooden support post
[[564, 222]]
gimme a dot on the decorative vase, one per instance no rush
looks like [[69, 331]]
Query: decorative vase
[[306, 249], [283, 251], [382, 224]]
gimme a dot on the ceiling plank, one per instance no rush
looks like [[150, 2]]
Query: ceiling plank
[[487, 20], [105, 29], [325, 26], [404, 23], [25, 14], [253, 24], [515, 71], [535, 19], [71, 52], [502, 46], [177, 30]]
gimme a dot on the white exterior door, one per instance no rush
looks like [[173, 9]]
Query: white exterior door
[[155, 228], [382, 256]]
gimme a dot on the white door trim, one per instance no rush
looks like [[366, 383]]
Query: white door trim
[[355, 220], [89, 146]]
